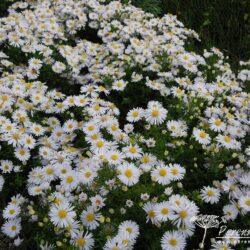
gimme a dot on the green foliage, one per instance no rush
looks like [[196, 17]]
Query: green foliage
[[221, 23]]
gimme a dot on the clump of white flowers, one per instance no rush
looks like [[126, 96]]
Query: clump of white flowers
[[113, 134]]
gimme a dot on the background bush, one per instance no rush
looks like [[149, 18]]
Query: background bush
[[221, 23]]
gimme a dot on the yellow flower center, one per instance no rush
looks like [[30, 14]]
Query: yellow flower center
[[155, 113], [49, 171], [133, 150], [129, 230], [210, 193], [128, 173], [15, 136], [4, 98], [247, 202], [114, 157], [12, 211], [135, 113], [227, 138], [173, 242], [151, 213], [96, 107], [88, 174], [183, 214], [145, 159], [163, 172], [22, 152], [217, 122], [99, 144], [174, 171], [62, 213], [164, 211], [90, 217], [202, 134], [69, 179], [94, 137], [81, 242], [91, 128]]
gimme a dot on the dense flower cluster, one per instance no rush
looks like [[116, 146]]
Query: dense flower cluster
[[113, 131]]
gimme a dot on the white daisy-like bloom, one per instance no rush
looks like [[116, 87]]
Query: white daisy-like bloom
[[245, 179], [228, 142], [173, 240], [231, 187], [97, 201], [28, 142], [129, 227], [12, 228], [35, 190], [155, 114], [163, 211], [116, 48], [177, 171], [161, 174], [127, 240], [221, 245], [83, 240], [90, 218], [232, 237], [11, 211], [90, 128], [62, 215], [177, 128], [35, 63], [22, 154], [99, 145], [210, 195], [147, 162], [128, 174], [70, 125], [73, 228], [6, 166], [89, 151], [201, 136], [132, 151], [87, 175], [49, 173], [114, 244], [236, 132], [230, 212], [187, 230], [62, 170], [119, 85], [115, 157], [58, 67], [37, 129], [150, 209], [183, 211], [244, 202], [70, 180], [216, 124], [136, 77], [128, 128]]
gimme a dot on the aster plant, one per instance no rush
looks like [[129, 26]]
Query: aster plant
[[114, 134]]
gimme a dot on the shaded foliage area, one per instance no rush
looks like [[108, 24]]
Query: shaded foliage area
[[221, 23]]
